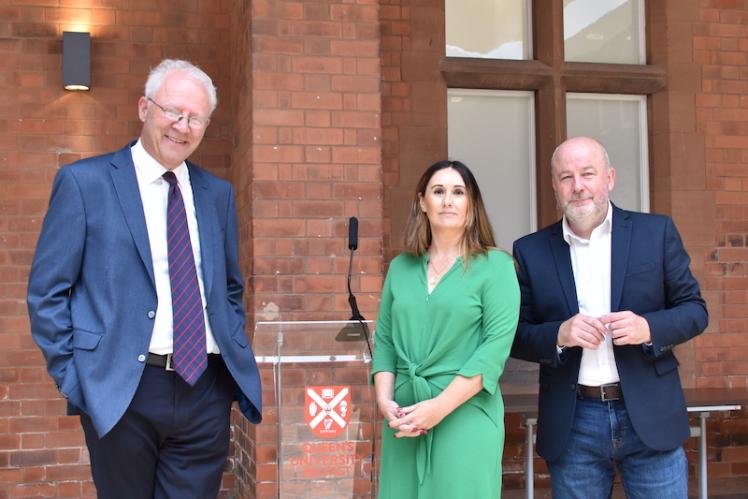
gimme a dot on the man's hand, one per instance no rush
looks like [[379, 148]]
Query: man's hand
[[627, 328], [581, 331]]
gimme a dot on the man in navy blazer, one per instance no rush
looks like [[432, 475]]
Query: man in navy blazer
[[100, 302], [606, 295]]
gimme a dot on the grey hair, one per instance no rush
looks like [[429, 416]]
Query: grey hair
[[606, 158], [167, 66]]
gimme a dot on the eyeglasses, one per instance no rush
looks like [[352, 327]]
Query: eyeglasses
[[194, 122]]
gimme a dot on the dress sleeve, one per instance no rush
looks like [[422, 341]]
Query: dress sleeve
[[500, 306], [385, 357]]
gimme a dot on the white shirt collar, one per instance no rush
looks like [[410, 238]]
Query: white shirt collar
[[604, 227], [151, 170]]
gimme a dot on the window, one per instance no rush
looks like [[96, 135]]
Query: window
[[620, 123], [492, 29], [490, 132], [567, 79], [604, 31]]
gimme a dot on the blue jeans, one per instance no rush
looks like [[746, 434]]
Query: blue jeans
[[602, 438]]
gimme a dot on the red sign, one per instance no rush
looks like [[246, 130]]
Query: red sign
[[327, 409]]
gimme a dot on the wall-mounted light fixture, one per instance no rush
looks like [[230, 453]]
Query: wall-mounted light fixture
[[76, 60]]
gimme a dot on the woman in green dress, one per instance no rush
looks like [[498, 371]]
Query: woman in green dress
[[446, 322]]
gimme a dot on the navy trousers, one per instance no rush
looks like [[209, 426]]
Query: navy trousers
[[172, 442]]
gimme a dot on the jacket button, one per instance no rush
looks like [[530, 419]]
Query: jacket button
[[572, 387], [141, 358], [151, 314]]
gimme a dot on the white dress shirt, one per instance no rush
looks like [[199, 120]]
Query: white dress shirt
[[590, 262], [154, 193]]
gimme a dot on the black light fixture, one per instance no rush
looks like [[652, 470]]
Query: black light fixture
[[76, 60]]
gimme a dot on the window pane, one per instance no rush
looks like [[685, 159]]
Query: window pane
[[490, 29], [491, 131], [619, 122], [604, 31]]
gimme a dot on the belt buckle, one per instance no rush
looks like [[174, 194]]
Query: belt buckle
[[603, 394], [169, 366]]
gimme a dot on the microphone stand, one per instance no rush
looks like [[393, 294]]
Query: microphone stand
[[357, 332], [354, 332], [356, 316]]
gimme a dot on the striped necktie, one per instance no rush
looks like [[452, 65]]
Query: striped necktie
[[190, 357]]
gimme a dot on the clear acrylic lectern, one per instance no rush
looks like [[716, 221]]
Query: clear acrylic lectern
[[322, 405]]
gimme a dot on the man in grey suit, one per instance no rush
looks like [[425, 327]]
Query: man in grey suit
[[135, 299]]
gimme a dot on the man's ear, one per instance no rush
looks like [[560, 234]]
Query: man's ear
[[142, 108], [611, 178]]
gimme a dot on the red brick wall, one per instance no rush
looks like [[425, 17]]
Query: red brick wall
[[414, 104], [43, 127], [396, 110], [720, 46], [316, 156], [315, 161], [330, 109], [720, 49]]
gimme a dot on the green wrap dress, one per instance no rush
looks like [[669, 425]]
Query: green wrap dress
[[465, 326]]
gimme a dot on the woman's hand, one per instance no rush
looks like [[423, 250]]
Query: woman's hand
[[391, 412], [409, 431], [389, 409], [405, 429], [421, 416]]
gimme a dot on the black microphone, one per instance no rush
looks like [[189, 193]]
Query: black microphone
[[352, 246], [358, 330], [353, 233]]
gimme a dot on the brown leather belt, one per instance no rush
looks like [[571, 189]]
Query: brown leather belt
[[605, 393]]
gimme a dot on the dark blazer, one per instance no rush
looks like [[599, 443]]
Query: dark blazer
[[650, 277], [92, 297]]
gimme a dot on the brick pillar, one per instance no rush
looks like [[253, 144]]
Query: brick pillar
[[243, 435], [307, 156]]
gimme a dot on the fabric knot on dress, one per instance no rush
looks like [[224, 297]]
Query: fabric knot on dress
[[422, 392], [420, 385]]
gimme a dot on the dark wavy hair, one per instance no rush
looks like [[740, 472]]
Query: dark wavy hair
[[478, 235]]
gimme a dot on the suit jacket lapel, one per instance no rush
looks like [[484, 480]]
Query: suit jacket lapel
[[126, 185], [206, 224], [562, 258], [619, 248]]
